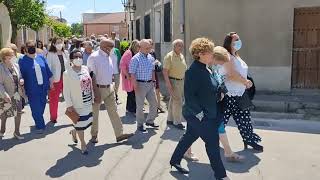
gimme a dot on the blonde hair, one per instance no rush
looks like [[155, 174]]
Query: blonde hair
[[5, 52], [221, 54], [200, 45]]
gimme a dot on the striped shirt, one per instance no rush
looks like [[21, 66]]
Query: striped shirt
[[142, 66]]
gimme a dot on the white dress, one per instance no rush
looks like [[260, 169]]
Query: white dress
[[85, 112]]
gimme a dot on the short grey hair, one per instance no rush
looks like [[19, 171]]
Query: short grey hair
[[88, 43], [177, 41]]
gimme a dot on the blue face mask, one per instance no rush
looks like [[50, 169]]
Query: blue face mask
[[237, 45]]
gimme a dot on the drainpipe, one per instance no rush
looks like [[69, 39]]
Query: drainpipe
[[182, 22]]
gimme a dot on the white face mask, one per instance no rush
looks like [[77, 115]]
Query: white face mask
[[59, 46], [14, 60], [78, 62]]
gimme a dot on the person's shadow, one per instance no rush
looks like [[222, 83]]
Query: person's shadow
[[140, 138], [7, 144], [251, 160], [74, 159], [172, 133], [204, 171]]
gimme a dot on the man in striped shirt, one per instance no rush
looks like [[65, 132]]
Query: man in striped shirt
[[142, 74]]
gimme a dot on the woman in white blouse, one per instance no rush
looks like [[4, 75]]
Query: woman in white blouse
[[236, 84], [78, 95], [56, 59]]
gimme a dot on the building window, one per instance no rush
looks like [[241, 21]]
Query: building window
[[167, 22], [147, 26], [138, 29]]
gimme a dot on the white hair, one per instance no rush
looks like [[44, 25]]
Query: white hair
[[177, 41]]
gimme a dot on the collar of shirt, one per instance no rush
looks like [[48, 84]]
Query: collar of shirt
[[103, 53]]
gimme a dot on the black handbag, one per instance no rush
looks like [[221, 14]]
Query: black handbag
[[245, 102]]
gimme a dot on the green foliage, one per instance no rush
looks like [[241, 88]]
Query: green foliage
[[25, 13], [124, 45], [77, 29], [59, 28]]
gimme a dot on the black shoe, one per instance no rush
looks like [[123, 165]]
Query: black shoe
[[180, 169], [142, 129], [179, 126], [152, 125], [169, 122], [254, 145]]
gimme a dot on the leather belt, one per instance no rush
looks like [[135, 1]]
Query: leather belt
[[175, 79], [144, 81], [103, 86]]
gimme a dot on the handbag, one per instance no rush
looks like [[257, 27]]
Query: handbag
[[245, 102], [74, 116]]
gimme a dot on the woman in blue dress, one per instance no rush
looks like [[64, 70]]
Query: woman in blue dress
[[37, 77]]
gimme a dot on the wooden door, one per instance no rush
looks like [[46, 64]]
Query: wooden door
[[306, 48]]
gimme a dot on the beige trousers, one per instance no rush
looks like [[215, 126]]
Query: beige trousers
[[107, 95], [116, 82], [175, 104]]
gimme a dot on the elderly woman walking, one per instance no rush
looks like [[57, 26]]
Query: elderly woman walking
[[38, 80], [78, 94], [201, 108], [126, 80], [11, 91]]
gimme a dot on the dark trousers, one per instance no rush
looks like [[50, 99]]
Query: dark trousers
[[207, 130], [131, 102]]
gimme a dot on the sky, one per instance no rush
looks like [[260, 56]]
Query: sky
[[72, 9]]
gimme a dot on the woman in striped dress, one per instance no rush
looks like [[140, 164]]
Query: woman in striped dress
[[78, 94]]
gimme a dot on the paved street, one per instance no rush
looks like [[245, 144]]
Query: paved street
[[291, 153]]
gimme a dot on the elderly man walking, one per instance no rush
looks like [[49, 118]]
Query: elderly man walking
[[174, 68], [100, 64], [142, 74]]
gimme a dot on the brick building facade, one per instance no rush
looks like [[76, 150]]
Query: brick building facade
[[105, 23]]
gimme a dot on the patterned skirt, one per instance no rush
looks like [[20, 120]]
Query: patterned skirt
[[8, 109], [84, 122]]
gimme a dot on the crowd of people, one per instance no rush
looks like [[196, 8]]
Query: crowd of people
[[87, 73]]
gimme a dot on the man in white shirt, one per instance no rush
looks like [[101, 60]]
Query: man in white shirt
[[101, 65]]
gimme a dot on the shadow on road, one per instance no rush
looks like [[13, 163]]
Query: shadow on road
[[172, 134], [204, 171], [251, 161], [74, 159], [139, 138], [7, 144]]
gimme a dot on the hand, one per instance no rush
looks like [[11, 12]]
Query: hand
[[222, 96], [248, 84], [21, 82], [71, 109], [51, 86], [135, 87], [7, 98], [170, 89], [97, 99]]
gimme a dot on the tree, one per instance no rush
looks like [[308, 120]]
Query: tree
[[77, 29], [25, 13], [59, 28]]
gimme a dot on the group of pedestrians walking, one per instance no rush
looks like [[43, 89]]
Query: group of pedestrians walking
[[205, 95]]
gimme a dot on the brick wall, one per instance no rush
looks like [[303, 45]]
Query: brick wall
[[100, 29]]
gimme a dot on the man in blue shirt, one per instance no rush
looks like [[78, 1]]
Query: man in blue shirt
[[142, 74], [88, 48]]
